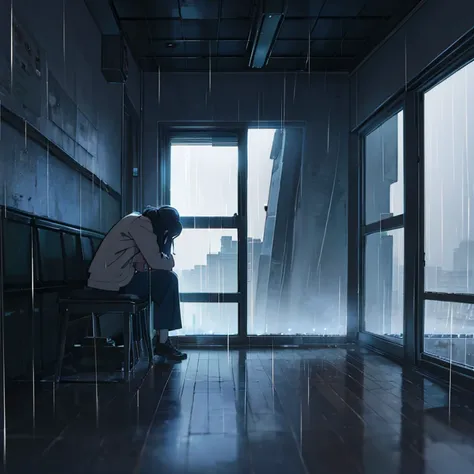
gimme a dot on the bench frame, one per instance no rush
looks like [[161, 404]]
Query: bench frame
[[135, 326]]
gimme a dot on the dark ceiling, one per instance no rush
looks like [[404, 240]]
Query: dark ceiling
[[198, 35]]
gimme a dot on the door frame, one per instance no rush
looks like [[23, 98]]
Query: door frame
[[238, 221]]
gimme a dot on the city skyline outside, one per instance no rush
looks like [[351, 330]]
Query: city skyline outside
[[204, 183]]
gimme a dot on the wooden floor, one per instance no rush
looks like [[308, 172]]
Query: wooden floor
[[338, 410]]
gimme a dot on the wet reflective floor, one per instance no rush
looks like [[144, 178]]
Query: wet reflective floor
[[335, 410]]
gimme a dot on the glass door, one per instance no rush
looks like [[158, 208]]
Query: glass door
[[206, 172]]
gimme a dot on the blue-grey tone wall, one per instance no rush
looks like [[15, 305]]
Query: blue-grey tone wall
[[433, 28], [321, 103], [65, 96], [70, 102]]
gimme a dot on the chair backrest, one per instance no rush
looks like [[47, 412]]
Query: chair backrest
[[75, 269], [61, 254], [50, 253], [17, 252], [96, 243], [87, 250]]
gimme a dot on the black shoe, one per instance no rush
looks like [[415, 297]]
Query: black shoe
[[169, 351]]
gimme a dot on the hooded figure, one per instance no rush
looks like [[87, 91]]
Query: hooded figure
[[136, 257]]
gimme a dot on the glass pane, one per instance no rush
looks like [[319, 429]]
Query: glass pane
[[449, 331], [383, 310], [206, 260], [209, 319], [204, 180], [384, 170], [260, 142], [449, 190]]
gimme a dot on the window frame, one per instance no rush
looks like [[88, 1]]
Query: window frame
[[165, 132], [391, 346], [409, 97]]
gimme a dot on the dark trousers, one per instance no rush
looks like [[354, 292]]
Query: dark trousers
[[164, 290]]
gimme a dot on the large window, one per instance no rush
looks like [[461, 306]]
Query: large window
[[383, 229], [448, 221], [212, 175]]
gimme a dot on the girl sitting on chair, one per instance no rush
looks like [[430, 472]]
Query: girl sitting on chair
[[136, 257]]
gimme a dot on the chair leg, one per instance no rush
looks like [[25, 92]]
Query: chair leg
[[143, 345], [140, 338], [95, 325], [136, 337], [146, 335], [63, 326], [127, 344]]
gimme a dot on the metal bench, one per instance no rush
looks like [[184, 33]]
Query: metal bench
[[136, 329]]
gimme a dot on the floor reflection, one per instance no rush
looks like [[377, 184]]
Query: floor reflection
[[329, 410]]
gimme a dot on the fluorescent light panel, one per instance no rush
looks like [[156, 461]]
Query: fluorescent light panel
[[266, 35]]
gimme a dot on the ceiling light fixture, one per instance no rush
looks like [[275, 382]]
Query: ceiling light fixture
[[270, 16]]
